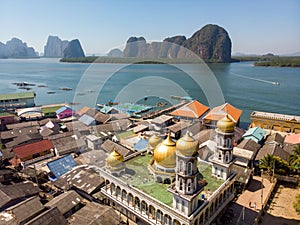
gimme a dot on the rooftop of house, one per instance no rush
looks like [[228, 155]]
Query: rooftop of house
[[21, 95], [109, 146], [162, 119], [5, 114], [17, 191], [94, 213], [18, 132], [32, 148], [256, 132], [51, 216], [66, 201], [139, 176], [50, 109], [292, 139], [22, 125], [83, 178], [275, 116], [219, 112], [193, 109], [22, 211]]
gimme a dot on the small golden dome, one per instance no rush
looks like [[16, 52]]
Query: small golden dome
[[187, 146], [165, 153], [154, 140], [114, 159], [226, 125]]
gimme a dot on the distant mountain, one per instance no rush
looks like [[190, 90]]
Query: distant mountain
[[209, 43], [15, 48], [115, 53], [55, 47], [73, 50], [291, 54]]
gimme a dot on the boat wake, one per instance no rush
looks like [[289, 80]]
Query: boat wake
[[261, 80]]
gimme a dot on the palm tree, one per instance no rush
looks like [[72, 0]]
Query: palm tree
[[267, 163], [294, 159]]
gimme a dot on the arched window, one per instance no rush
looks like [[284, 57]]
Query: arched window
[[180, 166], [189, 168], [189, 185], [228, 142], [226, 156], [180, 184]]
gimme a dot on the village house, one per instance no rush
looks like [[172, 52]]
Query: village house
[[32, 152]]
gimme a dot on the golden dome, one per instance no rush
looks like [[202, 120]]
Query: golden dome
[[164, 153], [226, 125], [187, 146], [114, 159], [154, 140]]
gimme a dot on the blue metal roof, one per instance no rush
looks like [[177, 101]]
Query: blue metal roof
[[63, 109], [62, 165], [257, 134], [140, 145], [87, 120]]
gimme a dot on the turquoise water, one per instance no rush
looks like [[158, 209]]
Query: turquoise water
[[243, 85]]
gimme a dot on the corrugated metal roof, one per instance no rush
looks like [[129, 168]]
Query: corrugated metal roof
[[60, 110], [256, 133], [62, 165], [141, 145], [87, 120], [32, 148], [17, 95]]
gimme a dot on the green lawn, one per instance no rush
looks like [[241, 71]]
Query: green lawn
[[141, 178]]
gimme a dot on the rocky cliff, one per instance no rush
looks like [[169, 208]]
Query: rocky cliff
[[115, 53], [73, 50], [211, 43], [55, 47], [15, 48]]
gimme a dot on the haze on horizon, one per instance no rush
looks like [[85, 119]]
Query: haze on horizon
[[255, 27]]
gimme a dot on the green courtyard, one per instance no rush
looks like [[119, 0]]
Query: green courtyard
[[140, 177]]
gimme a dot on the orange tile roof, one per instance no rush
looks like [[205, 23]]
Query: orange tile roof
[[292, 139], [193, 109], [83, 110], [32, 148], [219, 112]]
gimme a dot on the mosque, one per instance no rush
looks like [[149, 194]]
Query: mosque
[[171, 187]]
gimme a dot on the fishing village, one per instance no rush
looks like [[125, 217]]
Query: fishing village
[[125, 163]]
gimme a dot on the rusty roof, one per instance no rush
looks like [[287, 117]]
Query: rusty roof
[[32, 148]]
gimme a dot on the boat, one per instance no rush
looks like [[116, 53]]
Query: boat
[[42, 85], [22, 84], [25, 88], [182, 97], [276, 83], [66, 89], [51, 92]]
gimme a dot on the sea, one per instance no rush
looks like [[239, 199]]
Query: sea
[[249, 88]]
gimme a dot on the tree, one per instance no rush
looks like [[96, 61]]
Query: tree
[[267, 163], [296, 203], [273, 164], [294, 159]]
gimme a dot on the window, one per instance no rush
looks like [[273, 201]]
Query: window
[[227, 157], [220, 155], [180, 166], [189, 168], [189, 185], [180, 184]]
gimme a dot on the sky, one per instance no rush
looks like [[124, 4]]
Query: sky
[[255, 27]]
